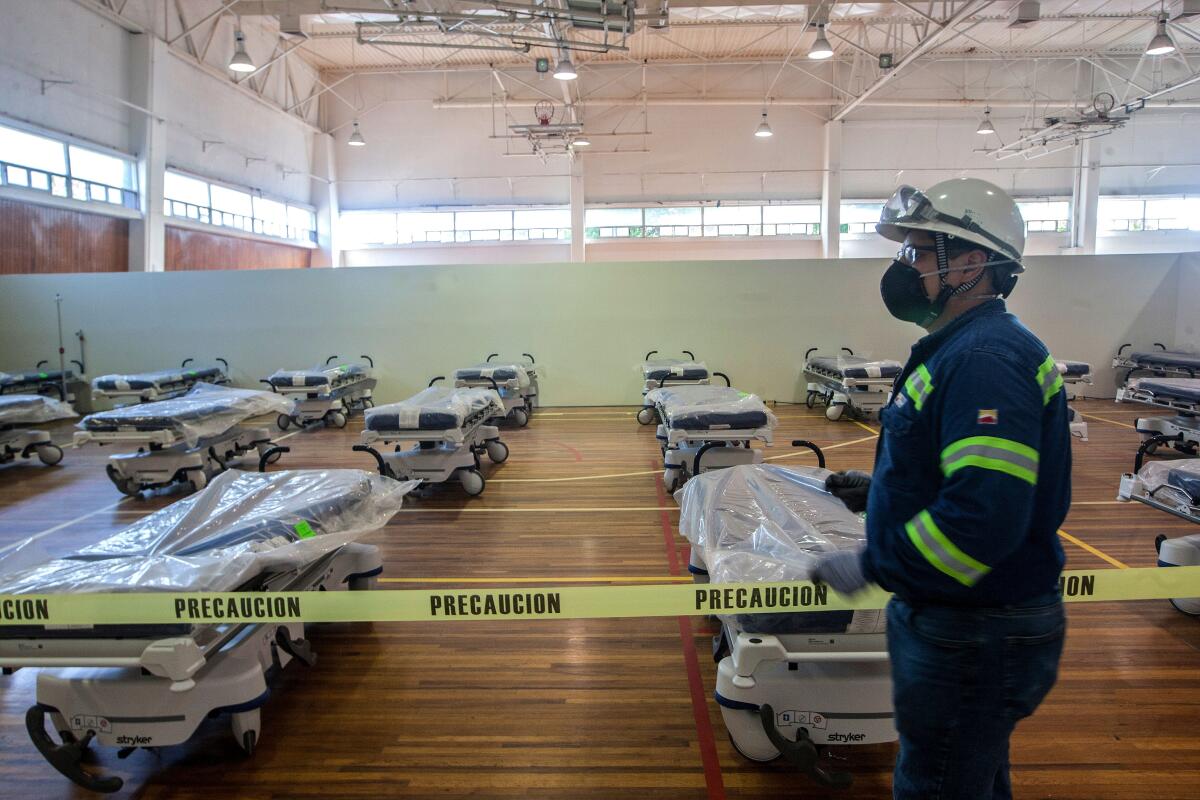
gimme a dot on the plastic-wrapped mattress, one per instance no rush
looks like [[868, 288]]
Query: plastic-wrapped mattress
[[29, 409], [855, 367], [710, 408], [656, 369], [763, 523], [15, 381], [206, 410], [155, 380], [438, 408], [1184, 389], [1160, 358], [318, 376], [1178, 479], [500, 373], [1073, 369]]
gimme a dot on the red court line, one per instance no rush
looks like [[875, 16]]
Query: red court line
[[704, 731]]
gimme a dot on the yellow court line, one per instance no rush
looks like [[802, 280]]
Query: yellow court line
[[866, 428], [1094, 551], [533, 510], [801, 451], [1109, 421], [572, 417], [504, 579], [1099, 503], [575, 478]]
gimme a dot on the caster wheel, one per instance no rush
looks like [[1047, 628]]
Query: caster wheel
[[126, 486], [672, 480], [646, 415], [274, 457], [336, 419], [245, 725], [747, 736], [497, 451], [49, 454], [834, 412], [810, 399], [368, 403], [472, 481], [521, 417], [283, 421], [198, 479]]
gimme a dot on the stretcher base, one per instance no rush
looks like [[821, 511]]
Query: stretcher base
[[26, 442], [436, 462], [331, 409], [1182, 551], [160, 467], [1185, 429], [862, 398]]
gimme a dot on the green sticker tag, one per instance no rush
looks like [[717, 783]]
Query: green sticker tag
[[43, 375], [304, 530], [190, 372], [743, 394]]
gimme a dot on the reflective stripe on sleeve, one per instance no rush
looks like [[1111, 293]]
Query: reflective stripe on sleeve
[[1049, 379], [992, 452], [919, 386], [941, 552]]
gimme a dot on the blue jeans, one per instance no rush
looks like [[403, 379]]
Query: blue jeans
[[962, 679]]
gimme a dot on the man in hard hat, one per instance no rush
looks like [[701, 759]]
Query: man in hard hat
[[972, 480]]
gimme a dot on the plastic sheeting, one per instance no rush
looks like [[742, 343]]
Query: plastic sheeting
[[501, 373], [658, 368], [206, 410], [153, 380], [1073, 369], [856, 366], [241, 525], [1177, 478], [318, 376], [440, 402], [682, 406], [29, 409]]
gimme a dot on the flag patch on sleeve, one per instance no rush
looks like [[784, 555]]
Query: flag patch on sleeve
[[988, 416]]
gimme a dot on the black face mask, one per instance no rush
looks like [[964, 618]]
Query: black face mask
[[904, 295]]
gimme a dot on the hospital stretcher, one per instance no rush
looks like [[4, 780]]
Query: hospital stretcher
[[17, 412], [185, 440], [147, 387], [329, 393], [1161, 363], [708, 427], [787, 684], [43, 381], [661, 372], [1172, 486], [515, 383], [450, 430], [1180, 395], [849, 382], [1073, 374], [148, 686]]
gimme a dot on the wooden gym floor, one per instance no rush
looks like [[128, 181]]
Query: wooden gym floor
[[608, 708]]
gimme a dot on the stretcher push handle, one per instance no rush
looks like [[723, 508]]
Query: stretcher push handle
[[438, 378], [369, 360], [1149, 445], [224, 363], [689, 354], [1161, 346], [848, 350], [40, 363], [331, 358], [67, 757], [78, 364], [726, 377], [1121, 349], [186, 361], [809, 352], [530, 357], [268, 383], [813, 447], [647, 358], [488, 360], [384, 469]]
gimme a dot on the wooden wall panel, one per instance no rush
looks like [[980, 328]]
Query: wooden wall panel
[[36, 239], [198, 250]]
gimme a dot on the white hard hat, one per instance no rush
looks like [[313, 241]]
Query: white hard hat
[[966, 208]]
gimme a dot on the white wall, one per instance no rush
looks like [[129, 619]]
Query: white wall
[[1187, 317], [589, 324]]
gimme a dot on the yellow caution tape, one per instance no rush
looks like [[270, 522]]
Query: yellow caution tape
[[564, 602]]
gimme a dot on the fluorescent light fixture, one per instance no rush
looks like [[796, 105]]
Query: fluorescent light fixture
[[581, 141], [986, 127], [356, 138], [763, 130], [565, 71], [241, 59], [1161, 44], [820, 49]]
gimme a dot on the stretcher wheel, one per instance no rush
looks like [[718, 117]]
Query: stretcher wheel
[[246, 725], [336, 418], [672, 480], [810, 399], [747, 736], [49, 454], [521, 417], [198, 479], [283, 421], [274, 454], [646, 415], [497, 451], [472, 481], [126, 486], [834, 412]]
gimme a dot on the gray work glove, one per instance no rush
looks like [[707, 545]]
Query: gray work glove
[[851, 487], [841, 569]]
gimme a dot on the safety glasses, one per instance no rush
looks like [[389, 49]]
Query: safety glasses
[[910, 253]]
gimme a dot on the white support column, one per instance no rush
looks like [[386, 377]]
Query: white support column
[[831, 192], [325, 200], [148, 139], [578, 247], [1086, 198]]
